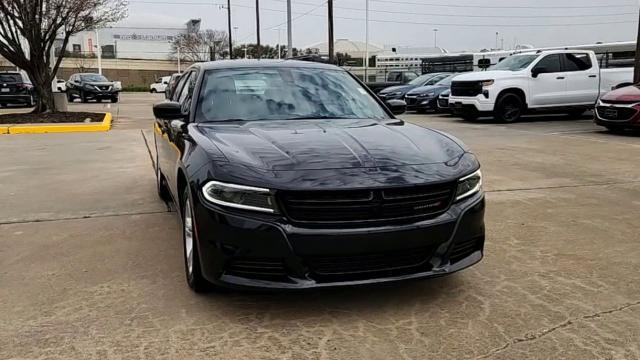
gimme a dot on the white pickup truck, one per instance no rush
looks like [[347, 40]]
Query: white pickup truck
[[568, 81]]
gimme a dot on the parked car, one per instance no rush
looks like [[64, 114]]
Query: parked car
[[559, 80], [60, 85], [291, 175], [425, 98], [619, 109], [399, 91], [173, 81], [92, 87], [395, 77], [160, 85], [443, 100], [16, 88]]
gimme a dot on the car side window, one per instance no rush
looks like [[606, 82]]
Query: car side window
[[177, 91], [187, 91], [551, 63], [410, 76], [577, 62]]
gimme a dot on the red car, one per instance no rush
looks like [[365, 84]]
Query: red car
[[619, 109]]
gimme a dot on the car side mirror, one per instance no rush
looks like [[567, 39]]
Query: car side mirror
[[168, 110], [397, 107], [538, 70]]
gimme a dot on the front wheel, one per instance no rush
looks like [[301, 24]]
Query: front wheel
[[69, 97], [509, 108], [114, 99], [153, 91], [192, 268], [83, 97]]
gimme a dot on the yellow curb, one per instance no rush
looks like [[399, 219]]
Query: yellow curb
[[105, 125]]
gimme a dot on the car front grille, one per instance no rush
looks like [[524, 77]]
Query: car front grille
[[615, 113], [410, 100], [257, 268], [353, 267], [465, 248], [349, 206], [443, 103], [466, 88]]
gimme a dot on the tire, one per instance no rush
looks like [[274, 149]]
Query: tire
[[161, 183], [69, 97], [192, 268], [114, 99], [31, 102], [98, 100], [615, 130], [576, 113], [509, 108], [153, 91], [83, 97]]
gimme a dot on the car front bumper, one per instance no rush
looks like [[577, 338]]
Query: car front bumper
[[466, 104], [247, 251], [624, 116], [415, 103]]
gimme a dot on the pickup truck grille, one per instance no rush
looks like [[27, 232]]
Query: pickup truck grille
[[466, 88], [357, 206]]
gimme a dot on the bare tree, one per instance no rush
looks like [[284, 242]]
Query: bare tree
[[29, 29], [203, 46]]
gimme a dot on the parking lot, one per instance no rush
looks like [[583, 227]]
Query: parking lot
[[91, 259]]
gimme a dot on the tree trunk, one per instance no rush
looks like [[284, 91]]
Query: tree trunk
[[44, 101]]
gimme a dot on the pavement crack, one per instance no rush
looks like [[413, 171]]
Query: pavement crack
[[544, 332], [565, 186], [89, 216]]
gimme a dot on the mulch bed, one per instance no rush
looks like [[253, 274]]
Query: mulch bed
[[56, 118]]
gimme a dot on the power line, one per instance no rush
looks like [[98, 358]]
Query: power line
[[493, 25], [399, 12]]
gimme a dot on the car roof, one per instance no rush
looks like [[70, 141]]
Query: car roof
[[264, 63]]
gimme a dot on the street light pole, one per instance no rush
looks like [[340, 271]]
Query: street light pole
[[366, 40], [99, 52], [435, 38], [496, 40], [330, 17], [259, 52], [289, 32]]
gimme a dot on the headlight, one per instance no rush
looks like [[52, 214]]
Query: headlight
[[469, 185], [427, 95], [240, 196], [487, 83]]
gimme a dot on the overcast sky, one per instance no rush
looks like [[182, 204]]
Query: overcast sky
[[462, 24]]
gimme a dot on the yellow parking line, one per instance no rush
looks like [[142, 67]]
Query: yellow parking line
[[105, 125]]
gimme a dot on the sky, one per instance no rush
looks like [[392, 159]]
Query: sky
[[461, 24]]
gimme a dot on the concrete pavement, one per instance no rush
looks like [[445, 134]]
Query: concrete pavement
[[91, 267]]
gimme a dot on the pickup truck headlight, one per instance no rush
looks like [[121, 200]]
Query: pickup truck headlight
[[240, 196], [486, 83], [469, 185]]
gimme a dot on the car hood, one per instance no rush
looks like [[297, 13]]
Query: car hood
[[285, 145], [486, 75], [392, 89], [426, 89], [625, 94]]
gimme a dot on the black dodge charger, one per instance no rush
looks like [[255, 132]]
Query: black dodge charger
[[291, 175]]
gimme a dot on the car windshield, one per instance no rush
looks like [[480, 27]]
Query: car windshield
[[446, 81], [10, 78], [284, 94], [421, 79], [515, 63], [94, 78]]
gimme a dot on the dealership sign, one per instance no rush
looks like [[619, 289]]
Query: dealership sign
[[143, 37]]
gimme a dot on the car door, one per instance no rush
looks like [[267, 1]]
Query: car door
[[173, 144], [582, 78], [163, 143], [549, 87]]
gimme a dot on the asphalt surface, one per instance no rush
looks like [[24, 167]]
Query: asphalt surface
[[91, 266]]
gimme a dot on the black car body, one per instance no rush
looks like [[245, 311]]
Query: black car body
[[91, 87], [275, 196], [425, 98], [16, 88], [398, 92]]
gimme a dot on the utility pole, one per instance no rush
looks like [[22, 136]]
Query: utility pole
[[289, 32], [435, 38], [99, 50], [636, 71], [259, 50], [229, 23], [330, 16], [366, 40], [496, 40]]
